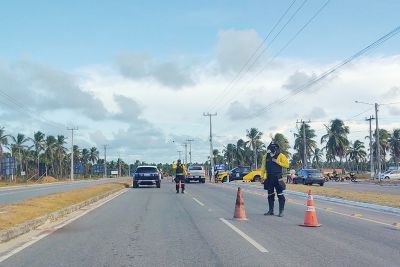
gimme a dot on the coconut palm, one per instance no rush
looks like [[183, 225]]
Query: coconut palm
[[229, 154], [94, 155], [50, 151], [3, 139], [254, 143], [336, 142], [19, 144], [85, 158], [38, 142], [317, 157], [357, 153], [60, 153], [394, 143], [384, 137], [311, 144], [76, 153], [240, 151]]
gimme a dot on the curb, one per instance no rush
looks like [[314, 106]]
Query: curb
[[375, 207], [23, 228]]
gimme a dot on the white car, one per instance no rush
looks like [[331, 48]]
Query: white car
[[196, 173], [393, 174]]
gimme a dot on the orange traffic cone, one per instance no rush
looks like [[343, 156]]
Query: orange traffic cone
[[310, 199], [240, 213], [310, 218]]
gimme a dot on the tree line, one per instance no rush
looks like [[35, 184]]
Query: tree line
[[333, 150]]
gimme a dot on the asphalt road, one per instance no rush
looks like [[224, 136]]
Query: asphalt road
[[14, 194], [157, 227]]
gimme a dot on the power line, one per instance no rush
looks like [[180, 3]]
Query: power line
[[253, 55], [281, 50], [303, 87]]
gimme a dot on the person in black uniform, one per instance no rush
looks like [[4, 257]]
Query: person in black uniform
[[274, 162], [180, 174]]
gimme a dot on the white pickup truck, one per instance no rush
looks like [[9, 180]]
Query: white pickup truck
[[196, 173]]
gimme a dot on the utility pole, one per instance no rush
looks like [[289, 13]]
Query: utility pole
[[190, 149], [72, 151], [179, 151], [119, 166], [304, 143], [185, 145], [211, 145], [378, 146], [371, 154], [105, 161]]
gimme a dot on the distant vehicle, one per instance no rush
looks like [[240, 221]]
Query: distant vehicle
[[309, 177], [253, 176], [196, 173], [392, 174], [147, 175], [235, 174]]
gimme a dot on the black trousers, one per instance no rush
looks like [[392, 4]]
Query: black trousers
[[180, 178], [272, 185]]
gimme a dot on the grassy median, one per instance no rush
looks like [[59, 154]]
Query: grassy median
[[368, 197], [20, 212]]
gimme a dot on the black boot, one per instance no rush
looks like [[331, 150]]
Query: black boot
[[177, 188], [281, 199], [271, 200], [183, 188]]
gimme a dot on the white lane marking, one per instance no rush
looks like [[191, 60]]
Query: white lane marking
[[61, 225], [198, 202], [246, 237]]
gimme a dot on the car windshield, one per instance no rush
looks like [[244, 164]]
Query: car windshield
[[313, 173], [195, 168], [146, 170]]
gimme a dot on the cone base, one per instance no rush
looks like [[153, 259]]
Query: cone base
[[306, 225], [240, 219]]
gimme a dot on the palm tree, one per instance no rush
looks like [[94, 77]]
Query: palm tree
[[336, 142], [94, 155], [384, 137], [311, 144], [254, 136], [240, 151], [60, 152], [76, 153], [394, 143], [283, 143], [49, 151], [38, 142], [229, 154], [85, 156], [317, 157], [3, 140], [357, 152], [19, 142]]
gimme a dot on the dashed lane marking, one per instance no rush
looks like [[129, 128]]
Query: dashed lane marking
[[198, 201], [246, 237]]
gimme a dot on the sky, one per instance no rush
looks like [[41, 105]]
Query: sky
[[138, 75]]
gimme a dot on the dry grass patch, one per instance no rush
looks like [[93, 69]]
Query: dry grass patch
[[20, 212], [367, 197]]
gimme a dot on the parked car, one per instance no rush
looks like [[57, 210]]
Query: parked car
[[238, 173], [253, 176], [147, 175], [196, 173], [309, 177], [393, 174]]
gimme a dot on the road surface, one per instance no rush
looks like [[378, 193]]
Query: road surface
[[157, 227], [14, 194]]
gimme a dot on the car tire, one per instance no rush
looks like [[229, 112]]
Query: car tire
[[387, 178], [321, 184], [304, 182], [203, 181], [294, 181], [256, 178], [158, 185], [135, 185]]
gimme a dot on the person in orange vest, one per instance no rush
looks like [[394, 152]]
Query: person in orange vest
[[180, 175], [272, 168]]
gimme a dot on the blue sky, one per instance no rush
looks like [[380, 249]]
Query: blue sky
[[68, 34], [138, 74]]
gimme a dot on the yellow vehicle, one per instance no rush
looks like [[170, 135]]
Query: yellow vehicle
[[253, 176], [222, 177]]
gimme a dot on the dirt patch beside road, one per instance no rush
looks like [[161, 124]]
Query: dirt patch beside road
[[367, 197], [20, 212]]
